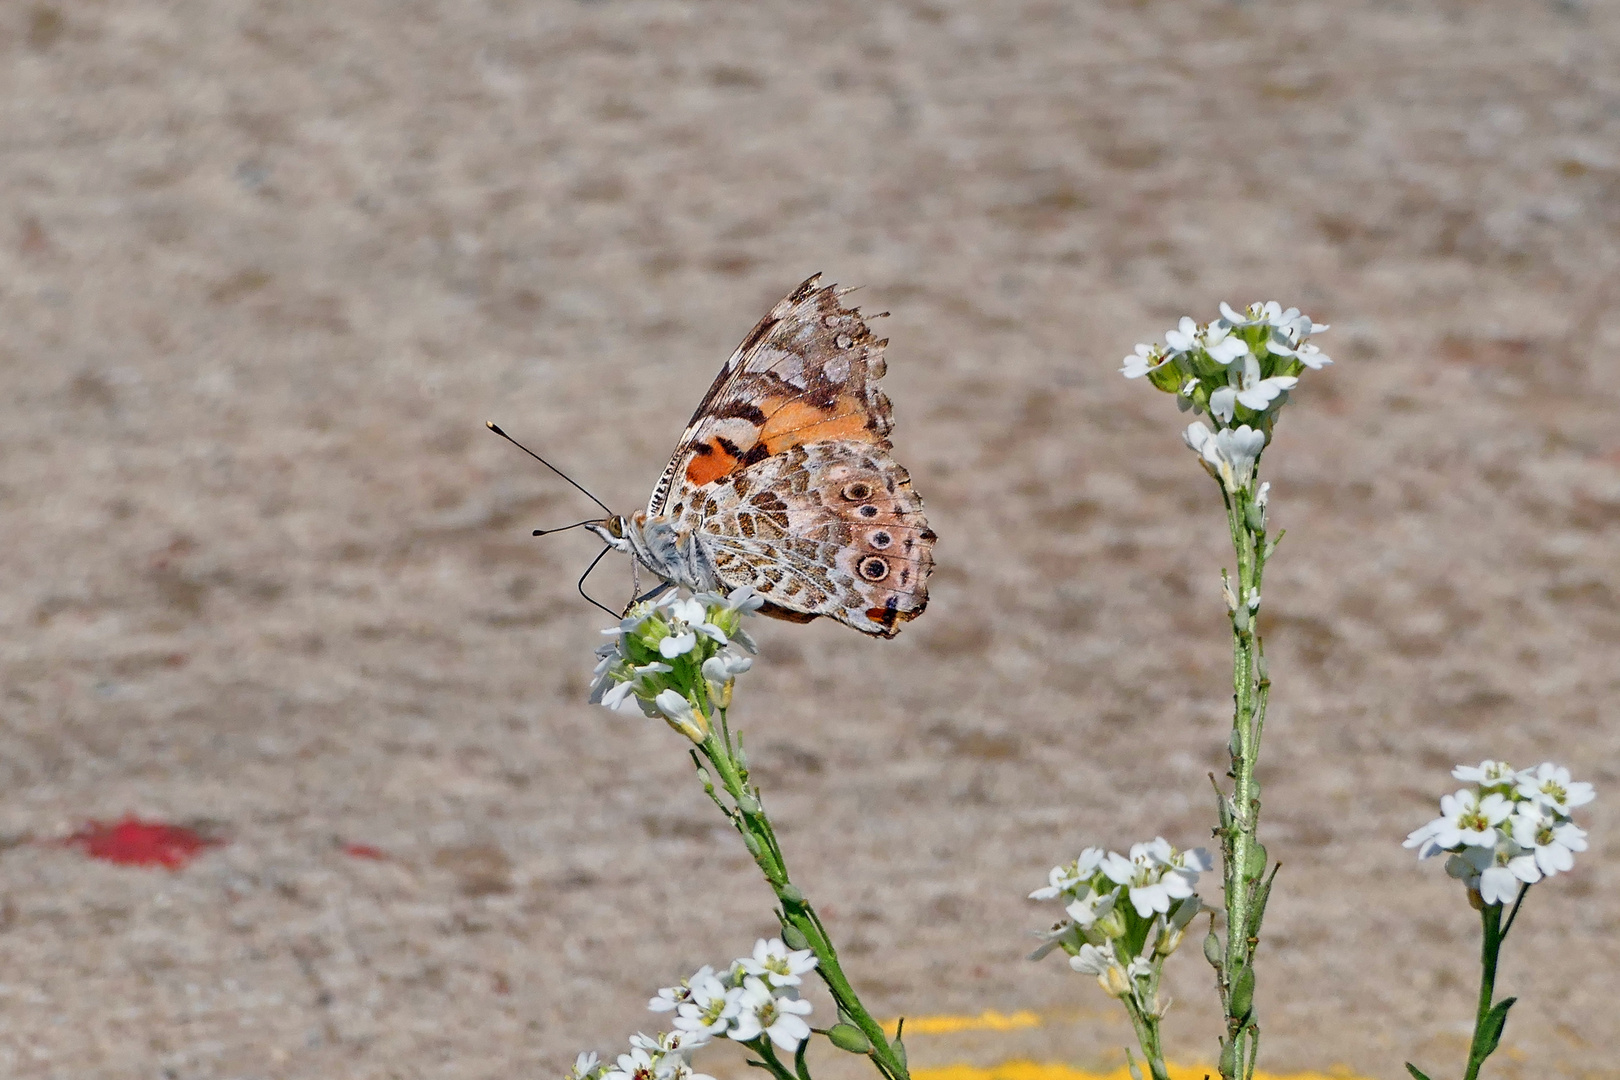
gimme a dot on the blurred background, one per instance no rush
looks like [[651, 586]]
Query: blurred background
[[266, 268]]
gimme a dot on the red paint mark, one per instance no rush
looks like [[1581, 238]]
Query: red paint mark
[[365, 851], [133, 842]]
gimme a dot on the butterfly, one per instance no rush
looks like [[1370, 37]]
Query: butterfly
[[783, 481]]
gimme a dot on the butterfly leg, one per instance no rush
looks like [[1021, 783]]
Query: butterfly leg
[[651, 594]]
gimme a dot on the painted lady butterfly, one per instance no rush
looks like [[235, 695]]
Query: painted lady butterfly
[[783, 479]]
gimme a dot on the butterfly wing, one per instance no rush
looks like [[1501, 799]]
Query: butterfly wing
[[806, 373], [826, 529], [784, 473]]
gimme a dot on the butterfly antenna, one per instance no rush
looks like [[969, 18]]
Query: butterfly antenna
[[493, 426], [586, 574], [563, 528]]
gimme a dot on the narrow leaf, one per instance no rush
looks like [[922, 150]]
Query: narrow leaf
[[1495, 1021], [1417, 1074]]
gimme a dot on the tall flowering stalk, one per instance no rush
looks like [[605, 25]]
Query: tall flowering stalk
[[1125, 915], [678, 659], [1239, 371], [1509, 831]]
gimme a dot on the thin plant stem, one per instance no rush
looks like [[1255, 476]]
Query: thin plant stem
[[1245, 884], [802, 927], [1490, 947]]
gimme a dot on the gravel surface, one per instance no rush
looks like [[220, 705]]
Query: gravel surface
[[265, 269]]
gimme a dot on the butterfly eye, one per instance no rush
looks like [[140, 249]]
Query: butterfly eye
[[874, 568], [859, 491], [880, 540]]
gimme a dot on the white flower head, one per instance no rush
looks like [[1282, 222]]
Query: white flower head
[[1465, 821], [780, 1019], [670, 997], [1551, 842], [1249, 390], [638, 1064], [1144, 361], [1486, 774], [681, 716], [1156, 875], [776, 965], [1550, 785], [1229, 453], [586, 1066], [710, 1008], [1067, 879]]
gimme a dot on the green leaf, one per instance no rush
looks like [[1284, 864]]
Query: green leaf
[[1491, 1030], [1417, 1073]]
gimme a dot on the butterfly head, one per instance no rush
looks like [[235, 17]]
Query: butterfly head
[[615, 531]]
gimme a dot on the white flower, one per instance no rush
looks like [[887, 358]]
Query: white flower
[[586, 1066], [1487, 774], [681, 716], [1183, 339], [722, 668], [1552, 842], [1230, 453], [636, 1065], [1064, 879], [1495, 873], [776, 965], [671, 996], [1156, 874], [1091, 960], [1465, 821], [1311, 356], [1549, 785], [778, 1018], [1223, 347], [710, 1007], [1144, 361], [743, 598], [1086, 910], [1252, 391], [1063, 933], [1113, 978]]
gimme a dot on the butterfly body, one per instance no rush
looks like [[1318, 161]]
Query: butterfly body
[[783, 480]]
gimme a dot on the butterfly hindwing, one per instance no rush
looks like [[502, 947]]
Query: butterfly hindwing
[[784, 474]]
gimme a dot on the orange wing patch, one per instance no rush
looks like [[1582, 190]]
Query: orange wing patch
[[712, 459], [796, 423]]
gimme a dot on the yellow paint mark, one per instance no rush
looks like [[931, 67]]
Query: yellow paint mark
[[1047, 1070], [949, 1025]]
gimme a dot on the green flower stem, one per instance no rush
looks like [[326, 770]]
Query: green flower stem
[[1244, 858], [1490, 1017], [1147, 1032], [1491, 918], [769, 1061], [799, 920]]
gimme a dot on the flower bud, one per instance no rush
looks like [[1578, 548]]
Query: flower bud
[[747, 803], [1213, 951], [793, 937], [1168, 941], [848, 1037], [1255, 516], [1115, 982], [790, 894], [1243, 993], [1111, 924], [1255, 866]]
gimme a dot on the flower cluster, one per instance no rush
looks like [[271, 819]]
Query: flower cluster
[[677, 658], [1509, 831], [755, 999], [1239, 369], [1125, 914]]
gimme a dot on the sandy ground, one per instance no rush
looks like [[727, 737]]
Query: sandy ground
[[266, 268]]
